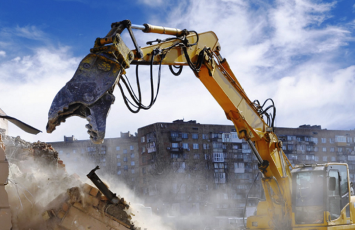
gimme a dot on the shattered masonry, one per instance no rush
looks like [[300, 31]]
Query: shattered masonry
[[43, 196]]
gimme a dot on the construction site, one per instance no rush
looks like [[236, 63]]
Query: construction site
[[193, 121]]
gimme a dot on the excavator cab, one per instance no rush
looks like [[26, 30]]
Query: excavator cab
[[320, 193]]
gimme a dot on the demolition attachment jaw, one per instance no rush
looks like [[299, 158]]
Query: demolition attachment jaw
[[89, 93]]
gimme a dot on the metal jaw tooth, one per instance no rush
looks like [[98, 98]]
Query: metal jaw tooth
[[87, 95]]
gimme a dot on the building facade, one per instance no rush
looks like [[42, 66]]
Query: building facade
[[116, 156], [185, 168], [313, 145]]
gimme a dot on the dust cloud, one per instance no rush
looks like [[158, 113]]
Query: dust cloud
[[37, 177]]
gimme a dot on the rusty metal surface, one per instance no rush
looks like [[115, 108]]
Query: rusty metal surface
[[88, 95]]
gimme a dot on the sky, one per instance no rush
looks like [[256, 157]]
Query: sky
[[300, 53]]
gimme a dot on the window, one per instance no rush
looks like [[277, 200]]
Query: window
[[324, 149], [324, 140], [125, 151], [195, 145], [238, 167], [315, 140], [217, 145], [117, 148], [119, 172], [333, 158], [206, 146], [185, 145], [332, 149], [125, 167], [118, 164], [184, 135], [204, 136], [131, 147], [143, 149], [132, 171], [284, 147], [316, 158], [315, 149], [197, 156], [174, 145], [340, 149], [290, 147], [340, 139], [220, 177], [118, 156], [132, 163], [351, 158], [91, 149], [300, 147], [125, 159], [309, 148], [195, 136], [324, 158], [143, 139], [132, 155], [218, 157]]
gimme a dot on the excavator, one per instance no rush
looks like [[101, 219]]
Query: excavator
[[307, 197]]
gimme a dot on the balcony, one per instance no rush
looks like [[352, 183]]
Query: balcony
[[175, 150], [175, 139]]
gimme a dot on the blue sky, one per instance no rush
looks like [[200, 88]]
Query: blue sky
[[298, 52]]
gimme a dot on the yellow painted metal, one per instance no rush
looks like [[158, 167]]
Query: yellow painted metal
[[276, 211]]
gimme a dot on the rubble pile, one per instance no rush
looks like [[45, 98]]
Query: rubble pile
[[42, 195], [85, 207]]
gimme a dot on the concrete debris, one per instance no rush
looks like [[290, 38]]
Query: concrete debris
[[43, 196]]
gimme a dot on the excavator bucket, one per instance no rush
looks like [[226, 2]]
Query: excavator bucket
[[88, 94]]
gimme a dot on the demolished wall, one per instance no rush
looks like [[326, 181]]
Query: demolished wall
[[42, 195]]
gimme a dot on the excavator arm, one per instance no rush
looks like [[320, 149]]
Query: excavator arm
[[89, 95]]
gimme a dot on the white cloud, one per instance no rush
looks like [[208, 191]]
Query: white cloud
[[2, 53], [282, 51], [29, 83], [30, 32], [152, 3]]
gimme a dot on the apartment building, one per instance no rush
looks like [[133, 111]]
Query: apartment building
[[116, 156], [187, 168], [313, 145], [194, 168]]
